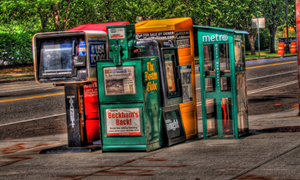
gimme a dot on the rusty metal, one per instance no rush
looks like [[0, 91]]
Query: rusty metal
[[298, 45]]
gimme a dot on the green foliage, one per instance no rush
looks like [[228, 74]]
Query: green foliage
[[292, 13], [15, 47], [21, 18]]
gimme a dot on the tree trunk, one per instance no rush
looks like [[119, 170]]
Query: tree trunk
[[252, 39], [44, 21], [272, 32]]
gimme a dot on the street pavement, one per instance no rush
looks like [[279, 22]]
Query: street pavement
[[271, 151]]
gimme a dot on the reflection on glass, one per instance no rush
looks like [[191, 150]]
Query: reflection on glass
[[119, 80], [227, 117], [170, 76], [210, 85], [242, 104], [225, 84], [172, 124], [209, 60], [56, 55], [224, 58], [239, 51], [212, 125], [169, 58]]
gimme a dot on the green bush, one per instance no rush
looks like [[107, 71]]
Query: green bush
[[16, 47]]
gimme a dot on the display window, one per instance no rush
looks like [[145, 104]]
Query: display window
[[119, 80]]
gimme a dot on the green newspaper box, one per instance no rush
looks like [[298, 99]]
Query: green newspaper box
[[223, 82], [129, 95]]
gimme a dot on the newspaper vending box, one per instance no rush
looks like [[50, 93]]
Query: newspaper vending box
[[130, 96], [68, 58], [223, 82], [176, 45]]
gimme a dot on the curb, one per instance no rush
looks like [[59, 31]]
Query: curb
[[273, 57], [14, 80]]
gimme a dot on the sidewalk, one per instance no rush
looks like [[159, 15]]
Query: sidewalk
[[10, 74], [260, 156]]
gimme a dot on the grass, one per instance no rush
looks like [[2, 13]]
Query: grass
[[19, 77], [265, 53]]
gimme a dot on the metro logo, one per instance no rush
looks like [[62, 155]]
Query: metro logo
[[213, 38]]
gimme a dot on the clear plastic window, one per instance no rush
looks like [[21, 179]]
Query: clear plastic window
[[225, 84], [119, 80], [210, 85], [209, 60], [170, 73], [173, 124], [212, 122], [242, 104], [224, 58], [56, 55], [227, 117], [239, 50]]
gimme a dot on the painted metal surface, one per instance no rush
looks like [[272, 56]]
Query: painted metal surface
[[298, 44], [222, 69], [178, 32], [129, 95], [147, 99]]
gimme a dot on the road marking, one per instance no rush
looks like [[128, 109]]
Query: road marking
[[272, 87], [266, 65], [271, 65], [32, 97], [265, 76], [277, 59], [34, 119], [271, 75], [265, 89], [23, 88]]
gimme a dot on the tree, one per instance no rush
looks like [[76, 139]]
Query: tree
[[274, 13], [53, 13], [238, 15], [292, 13]]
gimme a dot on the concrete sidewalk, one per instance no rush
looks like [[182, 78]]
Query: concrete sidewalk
[[264, 155], [11, 77]]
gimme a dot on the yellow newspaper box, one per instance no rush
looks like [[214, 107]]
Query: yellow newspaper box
[[176, 33]]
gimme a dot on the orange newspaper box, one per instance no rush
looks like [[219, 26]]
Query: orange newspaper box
[[176, 32]]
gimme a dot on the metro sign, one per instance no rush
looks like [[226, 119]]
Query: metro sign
[[214, 38]]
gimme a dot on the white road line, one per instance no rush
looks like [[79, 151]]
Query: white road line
[[18, 87], [272, 87], [24, 89], [265, 88], [32, 119], [271, 75]]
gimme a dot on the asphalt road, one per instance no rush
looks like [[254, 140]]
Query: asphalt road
[[29, 109], [271, 84]]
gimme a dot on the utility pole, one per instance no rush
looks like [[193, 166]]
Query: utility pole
[[298, 47], [287, 27]]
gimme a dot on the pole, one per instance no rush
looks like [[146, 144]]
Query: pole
[[287, 27], [298, 47], [258, 37]]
